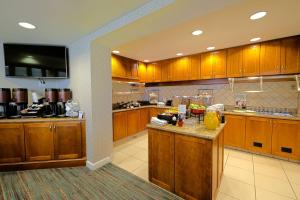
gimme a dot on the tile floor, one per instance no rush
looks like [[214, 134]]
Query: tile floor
[[246, 176]]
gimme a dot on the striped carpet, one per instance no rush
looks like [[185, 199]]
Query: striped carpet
[[108, 182]]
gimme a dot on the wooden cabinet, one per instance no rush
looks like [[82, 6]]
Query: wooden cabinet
[[220, 157], [157, 72], [39, 141], [166, 70], [195, 67], [133, 122], [213, 65], [286, 139], [234, 131], [12, 148], [150, 72], [144, 118], [153, 112], [251, 66], [119, 125], [180, 70], [123, 67], [235, 62], [67, 140], [258, 134], [206, 66], [161, 158], [142, 72], [290, 55], [270, 57]]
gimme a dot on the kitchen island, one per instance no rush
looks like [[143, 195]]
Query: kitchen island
[[187, 161]]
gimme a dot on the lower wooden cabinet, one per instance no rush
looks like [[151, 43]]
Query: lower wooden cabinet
[[133, 122], [39, 141], [234, 131], [153, 112], [144, 118], [119, 125], [286, 139], [258, 134], [12, 147]]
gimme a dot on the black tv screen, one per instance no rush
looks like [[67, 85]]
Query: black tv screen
[[36, 61]]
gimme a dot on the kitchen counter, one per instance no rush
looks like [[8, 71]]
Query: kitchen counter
[[39, 119], [296, 117], [136, 108], [198, 131]]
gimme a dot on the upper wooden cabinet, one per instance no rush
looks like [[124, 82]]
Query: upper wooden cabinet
[[290, 55], [166, 70], [206, 66], [180, 69], [213, 64], [234, 131], [195, 67], [142, 72], [123, 67], [12, 143], [157, 72], [251, 60], [270, 57], [235, 62]]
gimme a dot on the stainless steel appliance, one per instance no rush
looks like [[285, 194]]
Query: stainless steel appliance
[[19, 102], [5, 96]]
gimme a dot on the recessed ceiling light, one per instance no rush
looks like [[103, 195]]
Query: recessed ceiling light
[[210, 48], [179, 54], [255, 39], [26, 25], [258, 15], [197, 32], [116, 51], [146, 60]]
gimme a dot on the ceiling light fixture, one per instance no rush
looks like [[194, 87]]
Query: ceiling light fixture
[[258, 15], [255, 39], [210, 48], [27, 25], [146, 61], [179, 54], [116, 51], [197, 32]]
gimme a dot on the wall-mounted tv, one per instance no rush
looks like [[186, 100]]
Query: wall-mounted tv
[[36, 61]]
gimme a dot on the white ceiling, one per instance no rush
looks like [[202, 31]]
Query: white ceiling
[[225, 25], [58, 21]]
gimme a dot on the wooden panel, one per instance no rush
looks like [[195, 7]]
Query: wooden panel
[[144, 118], [251, 60], [234, 131], [83, 139], [120, 125], [67, 140], [215, 166], [195, 67], [290, 55], [39, 141], [206, 66], [286, 137], [161, 159], [235, 62], [166, 70], [258, 132], [157, 72], [118, 66], [142, 72], [219, 63], [150, 72], [180, 70], [12, 147], [133, 121], [270, 57], [193, 159], [220, 157], [153, 112]]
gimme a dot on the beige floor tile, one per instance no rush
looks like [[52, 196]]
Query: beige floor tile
[[243, 175], [222, 196], [241, 155], [142, 155], [292, 171], [142, 144], [118, 157], [274, 185], [131, 150], [240, 163], [267, 161], [225, 159], [142, 172], [262, 194], [130, 164], [237, 189], [296, 188], [269, 170]]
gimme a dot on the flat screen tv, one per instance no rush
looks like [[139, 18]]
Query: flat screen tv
[[36, 61]]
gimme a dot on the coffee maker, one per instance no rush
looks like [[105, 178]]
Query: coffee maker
[[5, 96], [19, 102], [63, 96], [50, 106]]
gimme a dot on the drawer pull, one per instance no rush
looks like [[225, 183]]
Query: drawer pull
[[286, 149], [257, 144]]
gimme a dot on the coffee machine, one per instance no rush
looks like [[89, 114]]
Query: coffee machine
[[63, 96], [19, 102], [50, 106], [5, 96]]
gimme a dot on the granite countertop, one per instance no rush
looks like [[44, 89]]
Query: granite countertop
[[254, 114], [39, 119], [198, 131], [150, 106]]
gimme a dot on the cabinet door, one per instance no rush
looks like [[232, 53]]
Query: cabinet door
[[251, 60], [235, 62], [133, 122], [39, 141], [161, 159], [258, 134], [181, 68], [142, 71], [157, 72], [67, 140], [193, 167], [290, 55], [220, 157], [150, 72], [234, 131], [206, 66], [153, 112], [166, 66], [120, 125], [219, 64], [286, 139], [12, 148], [195, 67], [270, 58], [133, 68], [118, 67], [144, 118]]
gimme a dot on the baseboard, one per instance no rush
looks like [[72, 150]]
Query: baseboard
[[98, 164]]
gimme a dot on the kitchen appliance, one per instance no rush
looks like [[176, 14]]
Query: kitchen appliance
[[50, 107], [64, 95], [19, 102], [5, 96]]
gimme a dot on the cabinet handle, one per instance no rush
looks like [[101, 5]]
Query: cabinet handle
[[258, 144], [286, 150]]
